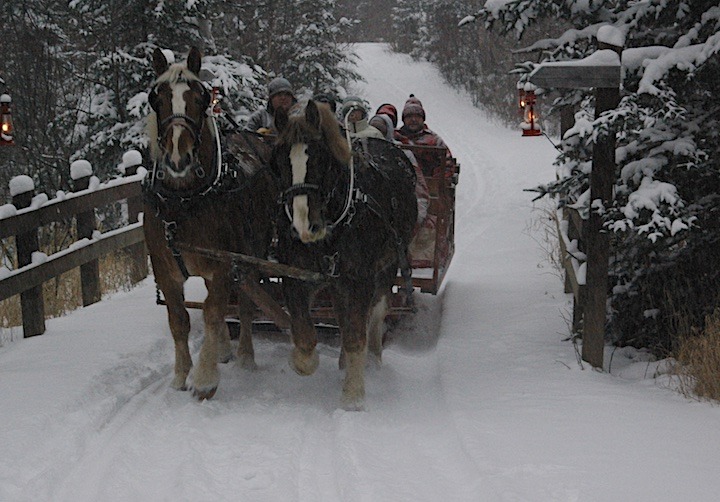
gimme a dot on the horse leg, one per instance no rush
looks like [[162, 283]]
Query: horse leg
[[178, 318], [379, 311], [179, 322], [352, 316], [376, 324], [375, 329], [246, 351], [204, 378], [304, 358], [225, 350]]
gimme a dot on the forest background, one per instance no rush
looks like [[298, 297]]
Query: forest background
[[79, 72]]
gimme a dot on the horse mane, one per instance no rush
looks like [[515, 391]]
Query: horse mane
[[299, 130], [175, 72], [151, 129], [335, 140]]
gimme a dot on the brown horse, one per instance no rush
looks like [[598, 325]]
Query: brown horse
[[349, 216], [196, 195]]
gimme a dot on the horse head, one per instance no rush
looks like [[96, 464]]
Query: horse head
[[180, 131], [310, 159]]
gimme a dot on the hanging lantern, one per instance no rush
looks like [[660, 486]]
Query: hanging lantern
[[6, 125], [530, 125], [216, 108], [521, 97]]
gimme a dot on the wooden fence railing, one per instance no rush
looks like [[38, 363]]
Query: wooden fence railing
[[34, 269], [574, 260]]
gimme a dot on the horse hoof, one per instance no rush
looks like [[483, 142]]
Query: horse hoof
[[247, 362], [178, 383], [226, 354], [304, 363], [202, 386], [353, 404], [202, 395], [374, 361]]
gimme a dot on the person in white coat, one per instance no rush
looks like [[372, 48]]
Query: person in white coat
[[354, 117]]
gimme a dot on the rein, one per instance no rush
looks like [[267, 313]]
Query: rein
[[351, 166]]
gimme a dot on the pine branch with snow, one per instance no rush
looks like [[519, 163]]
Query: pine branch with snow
[[667, 142]]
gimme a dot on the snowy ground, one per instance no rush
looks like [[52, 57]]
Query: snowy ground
[[479, 399]]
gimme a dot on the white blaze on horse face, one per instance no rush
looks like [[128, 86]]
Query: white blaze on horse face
[[301, 211], [178, 108]]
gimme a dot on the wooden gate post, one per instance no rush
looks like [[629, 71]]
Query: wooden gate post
[[32, 303], [81, 172], [602, 74], [602, 180], [132, 160]]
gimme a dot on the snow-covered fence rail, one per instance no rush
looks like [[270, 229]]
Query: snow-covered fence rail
[[573, 259], [28, 212]]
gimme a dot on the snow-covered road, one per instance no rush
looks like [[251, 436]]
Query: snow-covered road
[[479, 398]]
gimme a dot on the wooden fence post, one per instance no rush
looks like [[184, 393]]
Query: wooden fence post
[[132, 160], [602, 180], [605, 79], [31, 301], [81, 172]]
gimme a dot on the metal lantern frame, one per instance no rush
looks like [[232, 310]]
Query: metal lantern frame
[[527, 101], [215, 101], [521, 98], [6, 123]]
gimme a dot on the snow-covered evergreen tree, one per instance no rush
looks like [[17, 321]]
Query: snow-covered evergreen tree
[[319, 62], [470, 60], [665, 232], [297, 39], [76, 69], [411, 28], [35, 76], [110, 53], [79, 71]]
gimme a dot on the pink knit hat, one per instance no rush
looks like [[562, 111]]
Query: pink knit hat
[[390, 111]]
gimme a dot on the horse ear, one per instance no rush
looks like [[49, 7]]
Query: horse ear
[[281, 119], [160, 64], [312, 114], [193, 60]]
